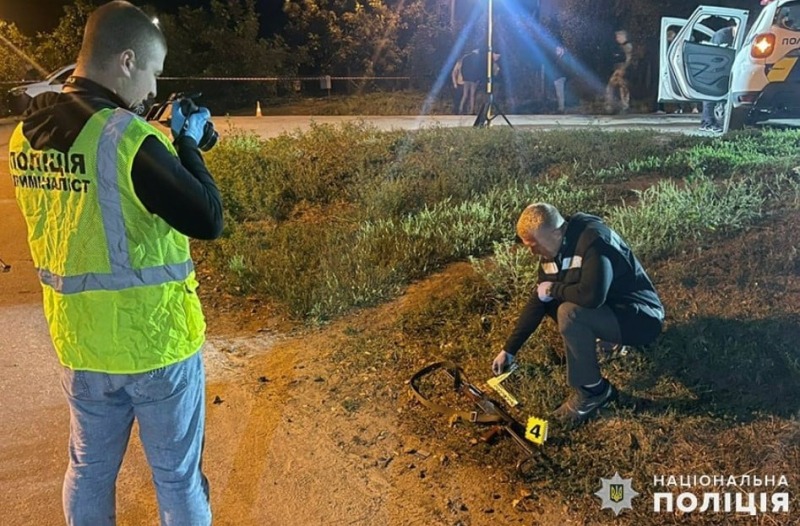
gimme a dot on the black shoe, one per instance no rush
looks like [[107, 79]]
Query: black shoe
[[582, 405]]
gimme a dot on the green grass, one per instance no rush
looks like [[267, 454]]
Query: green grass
[[388, 174], [736, 154], [666, 216], [345, 216]]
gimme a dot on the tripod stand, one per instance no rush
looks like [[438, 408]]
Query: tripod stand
[[489, 109]]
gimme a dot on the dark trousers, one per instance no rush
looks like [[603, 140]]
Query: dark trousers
[[708, 114], [581, 326]]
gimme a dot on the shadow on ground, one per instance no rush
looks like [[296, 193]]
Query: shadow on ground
[[732, 368]]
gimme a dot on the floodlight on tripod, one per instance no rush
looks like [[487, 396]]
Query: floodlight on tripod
[[489, 109]]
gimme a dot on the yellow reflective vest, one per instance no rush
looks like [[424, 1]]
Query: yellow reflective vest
[[118, 282]]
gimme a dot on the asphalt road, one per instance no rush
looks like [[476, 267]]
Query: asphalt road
[[273, 126]]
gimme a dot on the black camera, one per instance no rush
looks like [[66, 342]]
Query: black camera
[[188, 107], [210, 135]]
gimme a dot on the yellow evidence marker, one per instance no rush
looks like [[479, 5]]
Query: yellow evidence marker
[[495, 381], [536, 430]]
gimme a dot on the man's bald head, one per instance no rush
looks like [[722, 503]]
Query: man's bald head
[[114, 28]]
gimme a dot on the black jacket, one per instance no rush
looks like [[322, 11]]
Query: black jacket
[[180, 189], [594, 267], [473, 67]]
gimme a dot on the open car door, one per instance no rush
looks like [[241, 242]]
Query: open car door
[[701, 70], [667, 88]]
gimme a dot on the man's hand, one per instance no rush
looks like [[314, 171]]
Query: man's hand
[[501, 362], [543, 291], [192, 125], [177, 121]]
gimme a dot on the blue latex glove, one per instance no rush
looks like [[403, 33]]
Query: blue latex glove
[[177, 121], [543, 290], [191, 126]]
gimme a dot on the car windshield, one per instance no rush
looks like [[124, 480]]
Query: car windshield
[[788, 16]]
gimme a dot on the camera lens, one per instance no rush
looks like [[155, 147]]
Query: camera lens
[[209, 138]]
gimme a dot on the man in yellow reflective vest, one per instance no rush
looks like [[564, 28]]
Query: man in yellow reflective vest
[[110, 204]]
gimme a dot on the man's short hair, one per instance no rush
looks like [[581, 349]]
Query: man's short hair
[[536, 216], [116, 26]]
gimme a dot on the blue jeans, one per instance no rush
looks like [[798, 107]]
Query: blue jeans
[[169, 404]]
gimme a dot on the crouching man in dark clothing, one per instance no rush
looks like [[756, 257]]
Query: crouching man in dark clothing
[[595, 288]]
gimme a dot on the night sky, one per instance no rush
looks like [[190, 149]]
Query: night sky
[[42, 15], [31, 16]]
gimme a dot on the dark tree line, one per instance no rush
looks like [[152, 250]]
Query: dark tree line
[[416, 38]]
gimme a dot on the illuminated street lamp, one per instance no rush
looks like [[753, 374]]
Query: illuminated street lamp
[[489, 109]]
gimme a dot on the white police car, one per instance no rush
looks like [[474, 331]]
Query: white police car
[[20, 96], [755, 76]]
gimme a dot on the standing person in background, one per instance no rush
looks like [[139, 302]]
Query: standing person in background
[[457, 80], [560, 79], [498, 87], [557, 62], [618, 82], [560, 70], [473, 70], [110, 205]]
